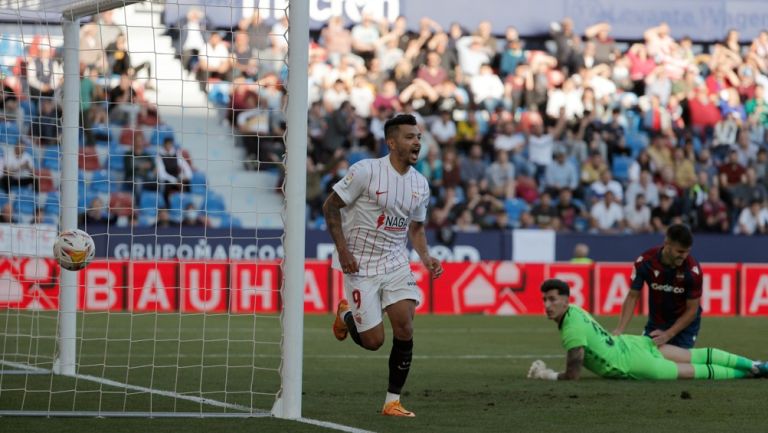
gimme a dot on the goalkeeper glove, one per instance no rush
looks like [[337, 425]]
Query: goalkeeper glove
[[539, 370]]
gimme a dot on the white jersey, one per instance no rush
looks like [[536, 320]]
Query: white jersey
[[381, 203]]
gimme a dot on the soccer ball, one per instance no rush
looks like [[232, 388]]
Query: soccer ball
[[74, 249]]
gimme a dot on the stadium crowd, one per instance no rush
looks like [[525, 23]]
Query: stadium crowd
[[582, 134], [131, 169]]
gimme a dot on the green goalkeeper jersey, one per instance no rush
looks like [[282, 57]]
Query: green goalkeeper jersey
[[604, 354]]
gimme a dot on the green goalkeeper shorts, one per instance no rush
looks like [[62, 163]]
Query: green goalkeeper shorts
[[646, 361]]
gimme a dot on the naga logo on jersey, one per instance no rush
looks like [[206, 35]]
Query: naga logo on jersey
[[391, 223]]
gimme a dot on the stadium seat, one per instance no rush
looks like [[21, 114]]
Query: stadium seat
[[52, 203], [46, 180], [50, 158], [178, 203], [101, 182], [198, 183], [214, 202], [25, 201], [149, 202], [9, 133], [88, 159], [160, 134], [116, 161], [620, 167], [121, 203]]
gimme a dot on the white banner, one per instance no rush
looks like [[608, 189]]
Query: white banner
[[533, 246], [26, 240]]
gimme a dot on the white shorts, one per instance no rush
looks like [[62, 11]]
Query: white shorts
[[369, 295]]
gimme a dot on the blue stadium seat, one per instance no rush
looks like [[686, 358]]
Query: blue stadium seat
[[52, 204], [116, 161], [50, 159], [9, 133], [149, 202], [620, 167], [198, 183], [214, 202], [25, 201], [101, 181], [160, 134], [178, 203]]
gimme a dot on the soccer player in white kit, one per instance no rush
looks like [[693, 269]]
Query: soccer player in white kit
[[370, 214]]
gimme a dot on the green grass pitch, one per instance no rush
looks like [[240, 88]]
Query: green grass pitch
[[468, 375]]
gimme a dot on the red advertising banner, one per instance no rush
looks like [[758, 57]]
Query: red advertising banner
[[204, 287], [153, 286], [317, 278], [753, 290], [494, 288], [719, 289], [612, 282], [101, 287], [255, 287], [29, 283]]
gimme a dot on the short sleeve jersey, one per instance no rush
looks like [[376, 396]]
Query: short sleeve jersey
[[604, 354], [669, 288], [381, 203]]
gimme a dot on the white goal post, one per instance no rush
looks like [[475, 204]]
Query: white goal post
[[153, 362]]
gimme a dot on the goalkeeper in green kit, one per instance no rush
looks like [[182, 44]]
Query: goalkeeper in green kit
[[629, 356]]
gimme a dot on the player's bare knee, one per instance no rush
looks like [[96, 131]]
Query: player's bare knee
[[373, 342], [403, 332]]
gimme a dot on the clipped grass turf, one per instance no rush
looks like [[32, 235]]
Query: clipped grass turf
[[468, 375]]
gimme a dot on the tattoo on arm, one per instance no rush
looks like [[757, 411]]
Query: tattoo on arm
[[574, 362], [332, 212]]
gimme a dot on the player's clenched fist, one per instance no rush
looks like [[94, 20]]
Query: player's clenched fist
[[434, 266]]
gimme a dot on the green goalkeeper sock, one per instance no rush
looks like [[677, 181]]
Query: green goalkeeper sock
[[711, 356], [717, 372]]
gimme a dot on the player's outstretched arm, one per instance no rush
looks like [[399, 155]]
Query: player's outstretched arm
[[418, 238], [574, 362], [332, 212], [627, 310]]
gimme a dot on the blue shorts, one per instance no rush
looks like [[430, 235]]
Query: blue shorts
[[685, 339]]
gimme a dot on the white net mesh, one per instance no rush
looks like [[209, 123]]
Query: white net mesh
[[180, 162]]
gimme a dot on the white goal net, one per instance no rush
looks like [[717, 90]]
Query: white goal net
[[164, 135]]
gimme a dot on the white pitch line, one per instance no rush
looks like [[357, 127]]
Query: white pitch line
[[333, 425]]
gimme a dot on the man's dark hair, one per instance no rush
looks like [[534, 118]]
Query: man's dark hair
[[680, 234], [555, 284], [394, 123]]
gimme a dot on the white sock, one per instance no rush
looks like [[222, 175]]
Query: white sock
[[391, 397]]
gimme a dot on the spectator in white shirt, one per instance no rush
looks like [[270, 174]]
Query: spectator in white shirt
[[541, 146], [18, 166], [644, 186], [444, 129], [638, 215], [560, 174], [361, 96], [753, 219], [607, 215], [472, 55], [568, 97], [215, 61], [605, 184], [487, 88]]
